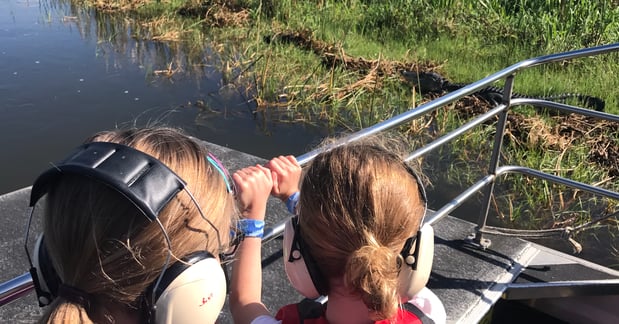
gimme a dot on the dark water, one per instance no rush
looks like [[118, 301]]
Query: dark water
[[65, 75]]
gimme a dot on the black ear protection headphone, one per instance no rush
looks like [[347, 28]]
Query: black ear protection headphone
[[417, 253], [185, 291]]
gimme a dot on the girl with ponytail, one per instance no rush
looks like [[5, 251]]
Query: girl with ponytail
[[355, 238]]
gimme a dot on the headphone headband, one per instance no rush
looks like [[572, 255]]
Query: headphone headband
[[421, 188], [132, 173]]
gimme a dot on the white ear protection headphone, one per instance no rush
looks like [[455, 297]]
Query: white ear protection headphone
[[418, 252], [191, 292], [299, 265], [188, 291]]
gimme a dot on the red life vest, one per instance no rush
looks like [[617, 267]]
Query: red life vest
[[312, 312]]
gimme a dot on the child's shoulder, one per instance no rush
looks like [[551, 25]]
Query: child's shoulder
[[430, 305]]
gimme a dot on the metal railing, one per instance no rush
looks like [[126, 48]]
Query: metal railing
[[17, 287], [501, 111]]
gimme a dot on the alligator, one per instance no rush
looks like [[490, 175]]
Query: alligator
[[432, 82]]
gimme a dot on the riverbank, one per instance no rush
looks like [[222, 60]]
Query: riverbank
[[337, 64], [467, 278]]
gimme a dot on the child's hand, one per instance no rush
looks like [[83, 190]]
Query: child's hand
[[254, 185], [286, 173]]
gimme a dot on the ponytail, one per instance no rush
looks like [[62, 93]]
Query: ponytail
[[64, 311], [373, 271]]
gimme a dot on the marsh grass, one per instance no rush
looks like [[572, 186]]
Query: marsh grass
[[464, 40]]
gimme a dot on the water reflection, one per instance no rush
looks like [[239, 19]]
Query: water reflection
[[66, 72], [164, 58]]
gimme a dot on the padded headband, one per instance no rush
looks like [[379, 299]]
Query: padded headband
[[420, 188], [145, 181], [132, 173]]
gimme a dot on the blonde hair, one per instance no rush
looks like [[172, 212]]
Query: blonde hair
[[358, 205], [119, 252]]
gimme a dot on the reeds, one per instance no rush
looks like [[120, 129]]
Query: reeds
[[331, 71]]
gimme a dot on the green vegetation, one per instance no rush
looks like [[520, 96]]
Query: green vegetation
[[465, 39], [337, 63]]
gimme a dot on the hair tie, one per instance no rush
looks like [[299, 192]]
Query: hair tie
[[74, 295]]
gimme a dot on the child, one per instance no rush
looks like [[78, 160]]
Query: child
[[121, 209], [355, 240]]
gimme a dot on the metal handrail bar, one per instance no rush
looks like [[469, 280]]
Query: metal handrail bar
[[458, 200], [494, 161], [564, 107], [455, 133], [486, 180], [461, 198], [274, 231], [467, 90], [556, 179], [278, 228], [15, 288]]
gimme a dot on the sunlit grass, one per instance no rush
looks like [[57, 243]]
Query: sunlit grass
[[464, 40]]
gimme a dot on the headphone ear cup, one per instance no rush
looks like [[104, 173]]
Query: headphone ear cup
[[413, 277], [294, 263], [195, 292], [44, 276]]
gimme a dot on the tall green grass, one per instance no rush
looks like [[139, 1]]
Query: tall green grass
[[465, 39]]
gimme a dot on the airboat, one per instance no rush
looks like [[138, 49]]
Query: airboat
[[480, 272]]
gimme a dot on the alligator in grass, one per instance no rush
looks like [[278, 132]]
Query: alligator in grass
[[432, 82]]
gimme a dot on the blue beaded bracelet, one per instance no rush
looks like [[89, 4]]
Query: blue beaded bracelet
[[292, 202], [251, 227]]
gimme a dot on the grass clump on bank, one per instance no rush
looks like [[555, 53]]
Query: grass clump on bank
[[337, 64]]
